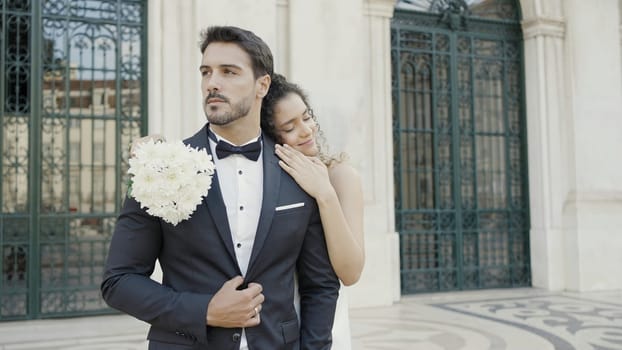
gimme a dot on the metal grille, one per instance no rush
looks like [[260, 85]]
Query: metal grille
[[72, 94], [490, 9], [460, 157]]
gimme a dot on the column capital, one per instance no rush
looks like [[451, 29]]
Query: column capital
[[544, 26], [379, 8]]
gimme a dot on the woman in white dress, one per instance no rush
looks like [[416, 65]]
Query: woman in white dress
[[335, 185]]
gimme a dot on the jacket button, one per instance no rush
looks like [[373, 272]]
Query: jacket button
[[236, 337]]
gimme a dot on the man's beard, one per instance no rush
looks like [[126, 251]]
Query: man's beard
[[238, 111]]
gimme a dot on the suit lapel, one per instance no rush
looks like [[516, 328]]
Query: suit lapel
[[214, 201], [271, 185]]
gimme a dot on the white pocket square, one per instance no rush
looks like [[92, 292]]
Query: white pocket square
[[289, 206]]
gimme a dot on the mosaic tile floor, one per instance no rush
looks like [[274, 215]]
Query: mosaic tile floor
[[513, 319], [493, 320]]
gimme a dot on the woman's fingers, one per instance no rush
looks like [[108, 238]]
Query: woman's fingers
[[293, 157], [286, 155], [286, 167]]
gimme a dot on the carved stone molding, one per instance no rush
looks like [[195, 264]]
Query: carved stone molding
[[379, 8], [543, 26]]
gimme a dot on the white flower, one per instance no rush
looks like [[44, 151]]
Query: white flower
[[170, 178]]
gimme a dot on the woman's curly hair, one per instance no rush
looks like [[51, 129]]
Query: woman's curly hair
[[279, 89]]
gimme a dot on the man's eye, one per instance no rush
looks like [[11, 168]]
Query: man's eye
[[229, 72]]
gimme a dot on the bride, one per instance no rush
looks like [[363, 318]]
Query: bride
[[335, 185]]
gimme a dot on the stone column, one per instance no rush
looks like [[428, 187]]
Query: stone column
[[547, 133], [339, 52], [593, 207], [281, 51], [383, 265], [174, 90], [574, 104]]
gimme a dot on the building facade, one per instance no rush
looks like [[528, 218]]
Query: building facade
[[341, 53], [488, 159]]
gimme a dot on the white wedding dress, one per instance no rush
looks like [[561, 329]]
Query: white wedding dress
[[341, 325]]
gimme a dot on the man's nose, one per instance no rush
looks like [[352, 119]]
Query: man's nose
[[212, 83]]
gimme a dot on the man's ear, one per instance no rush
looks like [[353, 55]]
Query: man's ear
[[263, 85]]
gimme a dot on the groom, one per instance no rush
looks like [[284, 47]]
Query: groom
[[229, 270]]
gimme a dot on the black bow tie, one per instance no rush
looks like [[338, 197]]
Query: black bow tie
[[225, 149]]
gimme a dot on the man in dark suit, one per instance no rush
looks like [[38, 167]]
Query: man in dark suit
[[255, 222]]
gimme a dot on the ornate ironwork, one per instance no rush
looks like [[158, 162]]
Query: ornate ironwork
[[72, 94], [460, 164], [498, 10]]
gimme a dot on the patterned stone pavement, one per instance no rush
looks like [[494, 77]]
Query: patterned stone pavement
[[522, 319], [513, 319]]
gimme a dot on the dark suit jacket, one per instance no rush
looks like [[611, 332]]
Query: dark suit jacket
[[197, 257]]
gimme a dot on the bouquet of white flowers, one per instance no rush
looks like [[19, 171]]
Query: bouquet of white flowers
[[170, 178]]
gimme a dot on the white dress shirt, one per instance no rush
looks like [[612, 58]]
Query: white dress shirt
[[241, 185]]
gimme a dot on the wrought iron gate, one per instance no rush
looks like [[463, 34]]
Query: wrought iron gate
[[71, 91], [459, 142]]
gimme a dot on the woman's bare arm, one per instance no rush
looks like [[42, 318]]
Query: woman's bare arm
[[339, 195]]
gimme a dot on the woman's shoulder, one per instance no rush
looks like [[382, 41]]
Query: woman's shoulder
[[343, 173], [340, 167]]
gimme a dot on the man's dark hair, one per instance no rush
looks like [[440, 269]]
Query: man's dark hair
[[257, 49]]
